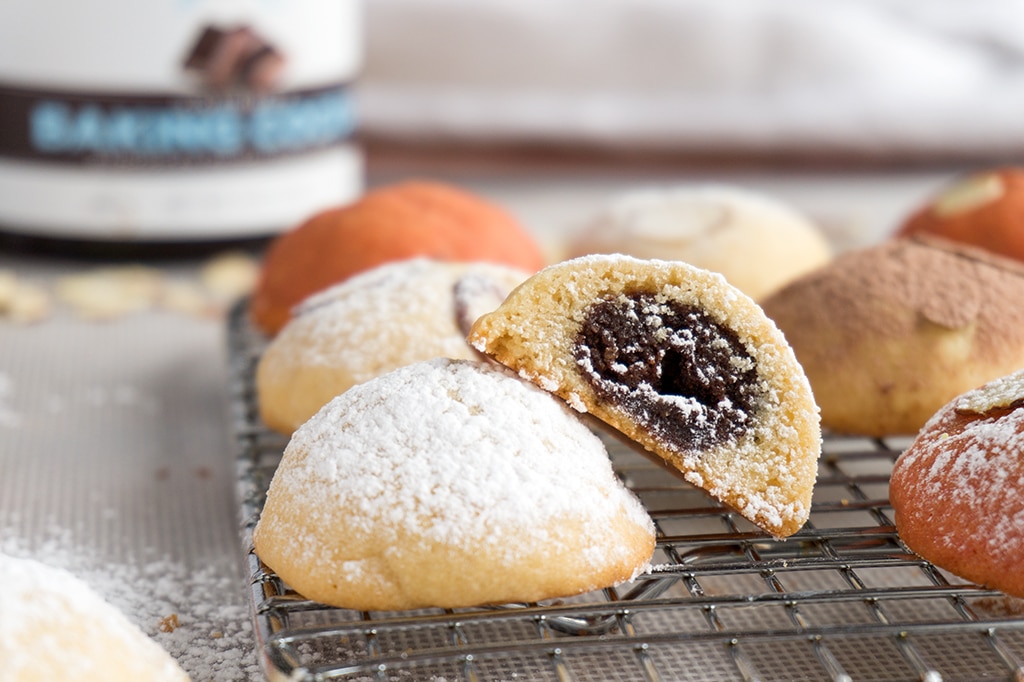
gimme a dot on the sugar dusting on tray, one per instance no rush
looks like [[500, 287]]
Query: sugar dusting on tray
[[9, 417], [182, 609]]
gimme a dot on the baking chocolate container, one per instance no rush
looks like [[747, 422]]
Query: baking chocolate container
[[175, 120]]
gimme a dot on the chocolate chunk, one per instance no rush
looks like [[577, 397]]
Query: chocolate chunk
[[671, 367], [203, 49], [235, 56], [261, 68]]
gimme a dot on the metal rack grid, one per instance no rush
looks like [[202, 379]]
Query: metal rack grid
[[843, 599]]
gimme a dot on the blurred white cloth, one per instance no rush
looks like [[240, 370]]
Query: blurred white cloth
[[875, 76]]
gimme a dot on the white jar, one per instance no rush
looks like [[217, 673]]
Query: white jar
[[108, 130]]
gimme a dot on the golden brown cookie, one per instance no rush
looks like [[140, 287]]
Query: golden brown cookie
[[890, 333], [391, 223], [958, 490], [377, 321], [677, 360], [757, 242], [449, 483]]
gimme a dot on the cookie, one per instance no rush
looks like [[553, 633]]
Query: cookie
[[890, 333], [958, 490], [55, 627], [757, 242], [377, 321], [448, 483], [983, 209], [391, 223], [679, 361]]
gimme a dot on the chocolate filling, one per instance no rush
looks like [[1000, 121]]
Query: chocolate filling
[[670, 367]]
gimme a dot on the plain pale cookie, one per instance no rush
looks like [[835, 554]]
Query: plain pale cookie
[[677, 360], [757, 242], [378, 321], [448, 483], [958, 490]]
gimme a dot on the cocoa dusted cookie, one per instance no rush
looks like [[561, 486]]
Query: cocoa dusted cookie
[[983, 209], [958, 490], [677, 360], [890, 333]]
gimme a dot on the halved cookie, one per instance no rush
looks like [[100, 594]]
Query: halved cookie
[[679, 361]]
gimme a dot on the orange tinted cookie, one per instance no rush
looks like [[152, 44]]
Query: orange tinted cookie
[[958, 490], [984, 209], [396, 222]]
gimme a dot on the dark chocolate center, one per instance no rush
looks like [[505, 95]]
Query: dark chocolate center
[[670, 367]]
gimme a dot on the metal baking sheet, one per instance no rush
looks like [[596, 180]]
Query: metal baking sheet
[[843, 599]]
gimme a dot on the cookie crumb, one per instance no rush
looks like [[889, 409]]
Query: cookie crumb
[[169, 623]]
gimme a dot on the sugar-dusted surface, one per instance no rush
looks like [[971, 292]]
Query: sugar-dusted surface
[[396, 307], [957, 490], [385, 318], [53, 624], [1001, 392], [442, 462], [61, 426], [194, 614], [114, 466]]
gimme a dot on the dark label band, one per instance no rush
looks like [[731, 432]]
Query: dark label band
[[132, 130]]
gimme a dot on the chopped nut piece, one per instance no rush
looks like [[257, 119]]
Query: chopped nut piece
[[30, 304], [8, 285], [22, 302], [189, 298], [230, 275], [107, 293], [970, 194]]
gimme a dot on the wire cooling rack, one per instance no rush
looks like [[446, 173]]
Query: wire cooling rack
[[843, 599]]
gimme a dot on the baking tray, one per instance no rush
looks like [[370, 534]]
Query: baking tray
[[843, 599]]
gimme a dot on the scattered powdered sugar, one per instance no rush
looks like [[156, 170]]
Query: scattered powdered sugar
[[1001, 392], [352, 323], [182, 610], [118, 395], [956, 490], [377, 321], [976, 468], [9, 417]]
